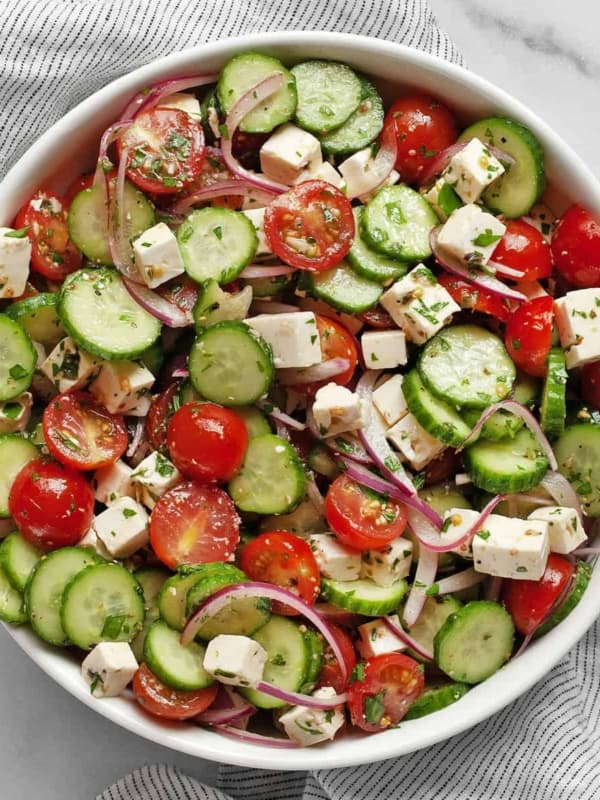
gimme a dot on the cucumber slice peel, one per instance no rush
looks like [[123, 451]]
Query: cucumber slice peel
[[436, 698], [438, 418], [175, 665], [361, 127], [512, 465], [397, 223], [344, 289], [553, 410], [328, 93], [577, 451], [17, 359], [363, 596], [18, 558]]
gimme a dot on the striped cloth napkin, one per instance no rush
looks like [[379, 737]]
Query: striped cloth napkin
[[53, 54]]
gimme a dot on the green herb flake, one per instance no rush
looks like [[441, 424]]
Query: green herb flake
[[374, 708], [21, 233], [113, 625], [358, 673], [17, 372], [129, 512], [486, 238]]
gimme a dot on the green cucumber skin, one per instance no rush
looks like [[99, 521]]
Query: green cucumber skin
[[436, 698], [19, 357], [553, 410], [328, 94], [347, 595], [577, 451], [344, 289], [12, 608], [397, 223], [160, 661], [18, 558], [28, 311], [583, 574], [12, 444], [361, 128], [367, 262], [437, 417], [486, 463]]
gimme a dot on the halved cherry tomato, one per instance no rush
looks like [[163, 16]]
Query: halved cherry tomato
[[443, 467], [162, 701], [590, 384], [361, 518], [207, 442], [52, 505], [576, 247], [53, 254], [528, 335], [331, 674], [524, 248], [467, 295], [80, 183], [310, 227], [286, 560], [377, 318], [165, 150], [383, 691], [182, 292], [81, 433], [423, 127], [194, 524], [529, 602], [161, 410], [336, 342]]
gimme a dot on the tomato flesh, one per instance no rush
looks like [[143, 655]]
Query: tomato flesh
[[468, 295], [576, 247], [161, 410], [336, 342], [162, 701], [528, 335], [331, 673], [590, 384], [524, 248]]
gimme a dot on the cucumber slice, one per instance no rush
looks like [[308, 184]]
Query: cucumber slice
[[172, 598], [321, 462], [272, 478], [17, 359], [231, 364], [102, 603], [210, 108], [153, 358], [342, 288], [216, 243], [467, 366], [553, 410], [523, 183], [361, 128], [243, 616], [583, 573], [475, 641], [512, 465], [12, 608], [397, 222], [436, 698], [443, 497], [368, 263], [38, 316], [363, 596], [151, 579], [101, 316], [268, 287], [215, 305], [304, 520], [435, 612], [438, 418], [175, 665], [45, 587], [255, 421], [503, 424], [245, 71], [577, 451], [18, 558], [15, 452], [210, 583], [328, 93], [314, 642]]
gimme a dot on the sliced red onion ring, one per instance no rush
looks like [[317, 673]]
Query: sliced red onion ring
[[108, 137], [255, 738], [280, 416], [298, 699], [339, 616], [583, 552], [408, 640], [154, 304], [350, 447], [181, 372], [506, 272], [266, 271], [443, 158], [559, 488], [219, 189], [429, 536], [379, 169], [424, 576], [118, 243], [459, 581], [229, 708], [137, 437], [270, 307], [151, 96], [493, 587], [313, 494], [319, 372]]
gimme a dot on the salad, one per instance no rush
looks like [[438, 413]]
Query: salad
[[299, 404]]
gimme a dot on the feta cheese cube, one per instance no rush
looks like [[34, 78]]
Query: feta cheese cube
[[349, 321], [70, 368], [389, 564], [112, 482], [442, 198], [356, 172], [307, 726], [337, 410], [376, 638], [108, 668], [123, 527], [578, 321], [15, 414], [384, 349], [388, 399], [156, 474], [335, 560], [288, 152], [235, 660], [322, 172], [157, 255], [15, 252], [457, 521], [183, 101], [471, 235], [471, 170], [419, 305], [123, 387], [257, 218], [565, 530], [511, 548], [414, 443], [294, 337], [92, 541]]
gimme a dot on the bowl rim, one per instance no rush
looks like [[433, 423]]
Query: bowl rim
[[482, 701]]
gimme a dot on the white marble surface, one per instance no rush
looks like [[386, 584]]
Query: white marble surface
[[542, 51]]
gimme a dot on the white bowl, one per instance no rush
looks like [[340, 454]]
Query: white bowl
[[70, 146]]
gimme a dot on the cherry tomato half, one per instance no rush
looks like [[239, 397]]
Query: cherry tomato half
[[81, 433], [161, 410], [207, 442], [384, 690], [162, 701], [361, 518], [524, 248], [336, 342], [590, 384], [468, 295], [52, 505], [310, 227], [528, 335], [331, 674], [194, 524], [576, 247]]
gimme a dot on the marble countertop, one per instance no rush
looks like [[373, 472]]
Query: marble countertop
[[542, 51]]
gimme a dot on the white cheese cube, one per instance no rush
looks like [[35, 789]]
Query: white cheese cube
[[457, 521], [92, 541], [388, 399], [356, 171], [183, 101], [472, 170], [578, 321], [70, 368], [376, 638], [350, 322], [307, 726], [414, 443], [511, 548], [112, 482], [337, 410], [419, 305], [235, 660], [288, 152], [335, 560], [433, 194], [156, 474], [322, 172], [123, 527], [384, 349], [389, 564], [15, 252], [157, 255], [294, 337], [257, 218], [15, 414], [471, 235], [108, 668], [565, 530], [123, 387]]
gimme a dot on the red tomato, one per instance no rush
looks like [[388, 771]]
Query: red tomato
[[590, 384], [377, 318], [310, 227], [524, 248], [528, 335], [161, 410], [207, 442], [182, 292], [81, 433], [78, 185], [52, 505], [165, 150], [361, 518], [422, 127], [53, 254], [467, 295], [246, 148], [443, 467], [529, 602], [384, 690], [286, 560], [331, 674], [162, 701], [576, 247], [336, 342], [194, 524]]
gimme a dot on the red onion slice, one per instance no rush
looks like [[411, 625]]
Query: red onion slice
[[270, 307], [444, 157], [459, 581], [219, 189], [280, 416], [506, 272], [255, 738], [266, 271], [228, 708], [118, 243], [562, 492], [136, 439], [298, 699], [379, 169], [337, 615], [493, 587], [313, 494], [424, 576], [151, 96], [319, 372], [168, 313], [350, 447], [408, 640], [104, 164]]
